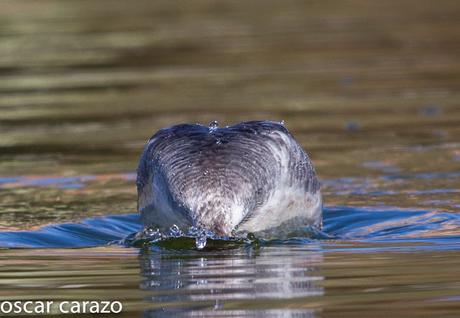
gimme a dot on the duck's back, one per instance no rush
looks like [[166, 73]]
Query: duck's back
[[250, 177]]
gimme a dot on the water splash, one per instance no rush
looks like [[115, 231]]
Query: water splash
[[213, 126], [175, 231], [175, 238], [201, 236], [200, 242], [152, 234]]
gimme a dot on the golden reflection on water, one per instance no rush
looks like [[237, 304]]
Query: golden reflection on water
[[370, 89], [274, 279]]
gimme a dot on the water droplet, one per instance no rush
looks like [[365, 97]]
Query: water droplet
[[206, 172], [192, 231], [174, 231], [251, 236], [200, 241], [213, 125], [152, 234]]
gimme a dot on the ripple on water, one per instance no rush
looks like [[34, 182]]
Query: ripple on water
[[389, 228]]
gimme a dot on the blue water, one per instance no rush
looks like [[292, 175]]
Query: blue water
[[55, 181], [374, 228]]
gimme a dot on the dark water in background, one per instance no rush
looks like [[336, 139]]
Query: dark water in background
[[370, 89]]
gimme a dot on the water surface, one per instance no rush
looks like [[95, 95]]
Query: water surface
[[370, 89]]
